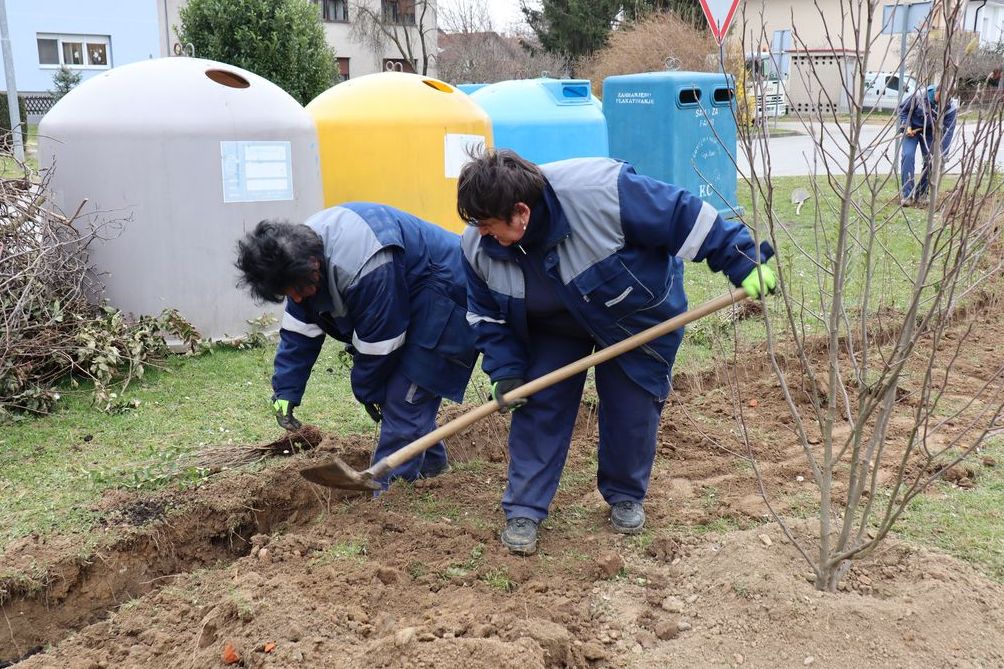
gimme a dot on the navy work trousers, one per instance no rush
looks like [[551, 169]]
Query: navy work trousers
[[542, 430], [409, 412]]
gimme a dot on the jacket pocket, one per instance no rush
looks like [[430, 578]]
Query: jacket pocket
[[442, 327], [610, 287]]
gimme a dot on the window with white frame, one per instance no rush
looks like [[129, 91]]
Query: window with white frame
[[74, 51], [334, 11]]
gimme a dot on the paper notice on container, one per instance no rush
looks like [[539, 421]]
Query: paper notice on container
[[457, 151], [257, 171]]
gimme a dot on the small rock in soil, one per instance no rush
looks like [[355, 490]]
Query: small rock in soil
[[808, 660], [738, 658], [691, 599], [609, 564], [405, 636], [683, 626], [667, 629], [425, 637], [663, 549], [989, 461], [388, 575], [766, 540], [672, 604], [593, 651], [645, 638]]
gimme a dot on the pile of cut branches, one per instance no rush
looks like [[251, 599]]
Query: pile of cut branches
[[49, 328]]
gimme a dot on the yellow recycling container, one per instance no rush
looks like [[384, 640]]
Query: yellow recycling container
[[398, 139]]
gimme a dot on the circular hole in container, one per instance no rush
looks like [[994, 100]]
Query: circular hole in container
[[231, 79], [438, 85]]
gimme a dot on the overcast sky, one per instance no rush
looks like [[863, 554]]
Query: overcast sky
[[504, 12]]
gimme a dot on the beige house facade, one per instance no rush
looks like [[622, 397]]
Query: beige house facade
[[830, 25], [367, 36]]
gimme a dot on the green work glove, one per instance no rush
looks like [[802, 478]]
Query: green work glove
[[751, 284], [284, 415], [373, 409], [500, 388]]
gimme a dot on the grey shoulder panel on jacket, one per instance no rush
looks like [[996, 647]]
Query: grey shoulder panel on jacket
[[589, 194], [349, 242]]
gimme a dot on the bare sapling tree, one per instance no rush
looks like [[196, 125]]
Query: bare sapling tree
[[406, 28], [875, 299], [473, 50]]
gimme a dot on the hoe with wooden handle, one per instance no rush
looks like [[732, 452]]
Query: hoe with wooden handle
[[337, 474]]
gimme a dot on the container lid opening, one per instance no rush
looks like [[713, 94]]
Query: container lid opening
[[690, 96], [723, 96], [438, 85], [225, 78]]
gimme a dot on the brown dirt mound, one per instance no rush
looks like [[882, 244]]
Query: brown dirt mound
[[416, 577]]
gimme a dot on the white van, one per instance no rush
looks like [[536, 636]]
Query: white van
[[882, 90]]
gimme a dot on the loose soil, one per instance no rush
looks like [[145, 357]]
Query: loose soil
[[287, 574]]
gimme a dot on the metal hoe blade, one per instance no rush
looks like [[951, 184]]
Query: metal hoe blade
[[337, 474]]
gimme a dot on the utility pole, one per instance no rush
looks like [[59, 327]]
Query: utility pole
[[8, 66]]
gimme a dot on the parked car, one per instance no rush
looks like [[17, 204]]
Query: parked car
[[882, 90]]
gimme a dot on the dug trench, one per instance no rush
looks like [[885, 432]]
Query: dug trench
[[264, 569]]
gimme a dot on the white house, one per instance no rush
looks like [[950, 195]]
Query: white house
[[385, 21]]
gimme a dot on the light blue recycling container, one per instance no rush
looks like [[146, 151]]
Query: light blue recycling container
[[545, 120], [469, 88], [678, 127]]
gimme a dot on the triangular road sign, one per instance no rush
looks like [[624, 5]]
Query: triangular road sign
[[719, 14]]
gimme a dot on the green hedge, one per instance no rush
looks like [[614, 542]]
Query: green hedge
[[6, 141]]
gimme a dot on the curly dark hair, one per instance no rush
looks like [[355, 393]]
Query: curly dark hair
[[277, 256], [493, 182]]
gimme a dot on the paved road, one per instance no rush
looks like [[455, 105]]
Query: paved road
[[805, 155]]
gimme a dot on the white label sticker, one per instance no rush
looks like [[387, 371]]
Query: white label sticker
[[457, 150], [257, 171]]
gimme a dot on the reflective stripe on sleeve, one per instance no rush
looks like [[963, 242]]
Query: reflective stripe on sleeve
[[294, 324], [474, 319], [378, 347], [702, 226]]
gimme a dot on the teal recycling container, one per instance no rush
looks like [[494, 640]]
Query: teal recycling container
[[678, 127], [545, 120]]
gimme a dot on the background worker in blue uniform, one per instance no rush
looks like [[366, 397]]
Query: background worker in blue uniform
[[389, 285], [918, 118], [565, 258]]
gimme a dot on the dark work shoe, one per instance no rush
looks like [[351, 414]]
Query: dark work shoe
[[520, 536], [627, 517], [433, 473]]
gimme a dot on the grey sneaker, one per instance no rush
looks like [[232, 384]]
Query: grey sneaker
[[627, 517], [520, 536]]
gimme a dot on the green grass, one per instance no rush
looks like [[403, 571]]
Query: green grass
[[968, 524], [343, 550], [53, 468], [9, 167], [712, 335]]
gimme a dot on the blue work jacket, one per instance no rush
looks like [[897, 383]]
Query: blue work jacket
[[917, 112], [393, 290], [614, 252]]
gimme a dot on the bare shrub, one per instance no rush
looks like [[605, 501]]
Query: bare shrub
[[867, 340], [648, 45], [49, 328]]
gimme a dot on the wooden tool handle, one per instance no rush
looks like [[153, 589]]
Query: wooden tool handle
[[474, 415]]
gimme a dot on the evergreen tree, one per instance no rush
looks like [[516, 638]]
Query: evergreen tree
[[577, 28], [280, 40], [64, 81]]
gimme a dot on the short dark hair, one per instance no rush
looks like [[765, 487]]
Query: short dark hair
[[493, 182], [276, 257]]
